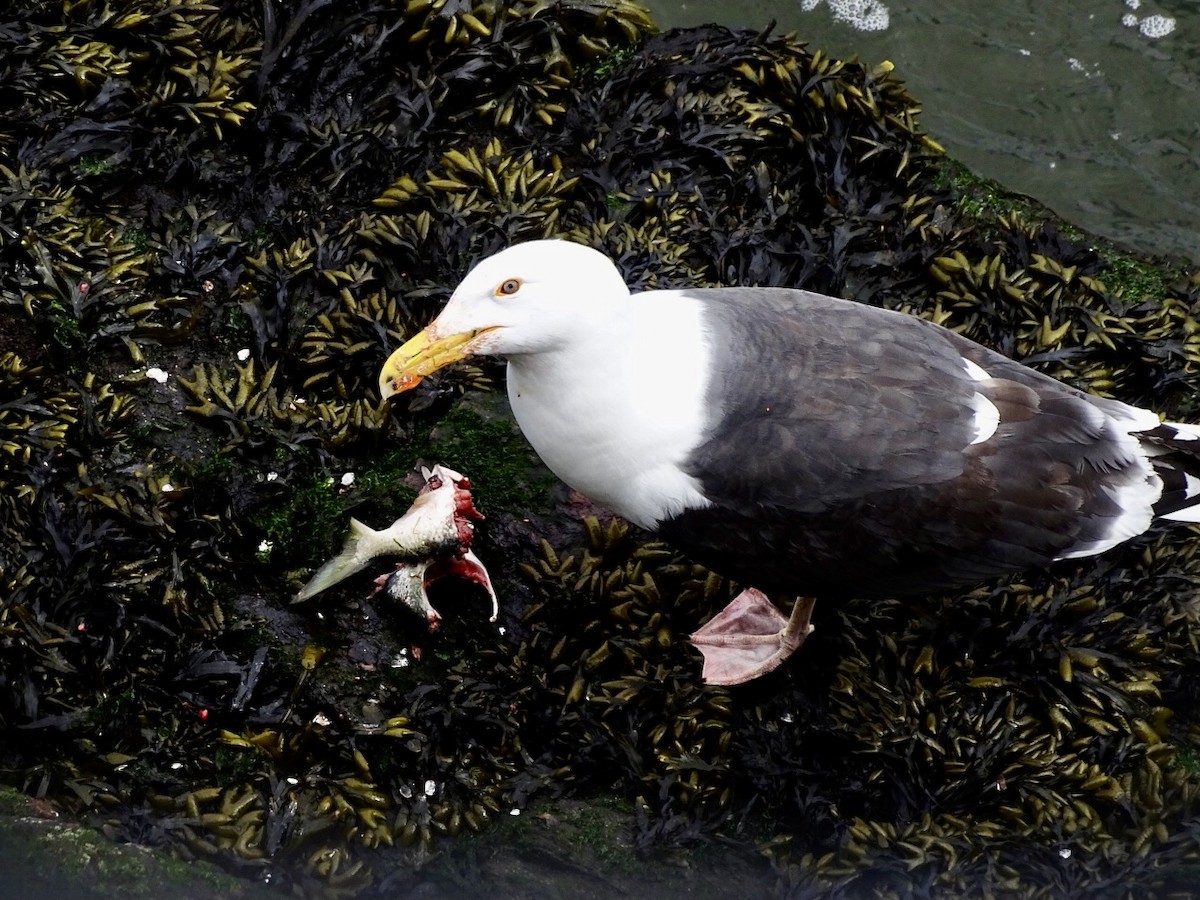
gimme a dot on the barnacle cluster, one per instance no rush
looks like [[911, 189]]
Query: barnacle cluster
[[215, 222]]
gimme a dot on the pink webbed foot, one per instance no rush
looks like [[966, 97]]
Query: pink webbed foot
[[750, 637]]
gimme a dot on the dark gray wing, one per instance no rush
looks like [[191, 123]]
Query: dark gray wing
[[839, 455]]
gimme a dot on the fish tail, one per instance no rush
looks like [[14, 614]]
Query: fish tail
[[358, 550]]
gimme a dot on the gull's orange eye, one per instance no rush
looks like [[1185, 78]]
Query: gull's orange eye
[[511, 286]]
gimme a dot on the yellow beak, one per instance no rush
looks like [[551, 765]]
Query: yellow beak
[[423, 355]]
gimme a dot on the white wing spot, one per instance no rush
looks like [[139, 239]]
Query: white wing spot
[[976, 372], [1187, 514], [1184, 432], [1193, 486], [987, 418], [1135, 489]]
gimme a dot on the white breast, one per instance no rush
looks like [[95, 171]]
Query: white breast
[[615, 415]]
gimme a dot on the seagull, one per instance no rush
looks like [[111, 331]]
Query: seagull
[[803, 444]]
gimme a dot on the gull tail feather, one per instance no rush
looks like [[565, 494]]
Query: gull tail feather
[[1176, 460], [360, 548]]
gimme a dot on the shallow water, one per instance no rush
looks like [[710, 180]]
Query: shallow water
[[1088, 107]]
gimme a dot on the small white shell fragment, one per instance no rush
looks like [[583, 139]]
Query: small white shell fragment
[[348, 479], [430, 787], [167, 487], [243, 354], [514, 812], [157, 374]]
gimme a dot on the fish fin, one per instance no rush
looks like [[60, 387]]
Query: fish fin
[[480, 575], [467, 566], [354, 556]]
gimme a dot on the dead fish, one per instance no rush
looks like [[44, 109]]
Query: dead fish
[[410, 582], [432, 539]]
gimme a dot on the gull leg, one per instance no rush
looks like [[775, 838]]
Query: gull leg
[[751, 637]]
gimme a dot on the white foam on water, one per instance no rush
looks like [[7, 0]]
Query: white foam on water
[[1155, 27], [861, 15]]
